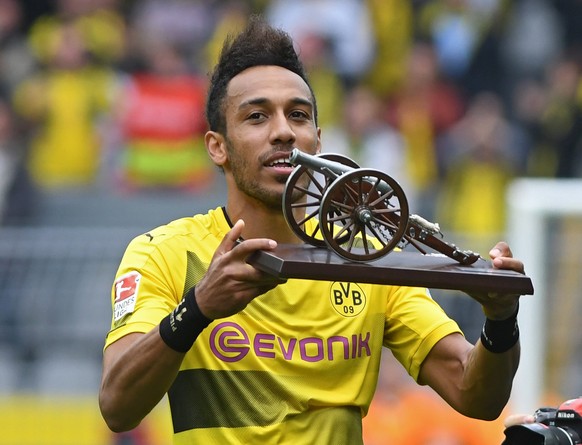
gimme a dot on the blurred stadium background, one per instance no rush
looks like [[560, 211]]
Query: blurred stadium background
[[473, 105]]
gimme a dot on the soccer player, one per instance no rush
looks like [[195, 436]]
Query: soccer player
[[246, 357]]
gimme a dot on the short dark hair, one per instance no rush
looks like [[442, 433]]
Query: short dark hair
[[259, 44]]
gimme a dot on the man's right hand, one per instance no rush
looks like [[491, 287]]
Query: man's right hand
[[230, 282]]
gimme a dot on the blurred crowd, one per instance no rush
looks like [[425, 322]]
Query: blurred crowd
[[453, 98]]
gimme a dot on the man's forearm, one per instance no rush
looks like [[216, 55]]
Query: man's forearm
[[138, 371], [488, 381], [492, 365]]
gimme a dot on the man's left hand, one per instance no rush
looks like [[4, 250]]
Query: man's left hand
[[498, 306]]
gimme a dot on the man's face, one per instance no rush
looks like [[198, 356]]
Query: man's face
[[269, 111]]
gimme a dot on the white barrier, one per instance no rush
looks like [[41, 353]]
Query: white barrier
[[531, 202]]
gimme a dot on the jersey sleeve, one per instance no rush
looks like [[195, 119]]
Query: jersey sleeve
[[144, 290], [414, 324]]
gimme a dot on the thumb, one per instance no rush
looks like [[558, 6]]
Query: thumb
[[232, 237]]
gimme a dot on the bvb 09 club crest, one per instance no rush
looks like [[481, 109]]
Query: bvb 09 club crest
[[348, 299]]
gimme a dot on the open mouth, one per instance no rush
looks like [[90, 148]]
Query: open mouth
[[281, 163]]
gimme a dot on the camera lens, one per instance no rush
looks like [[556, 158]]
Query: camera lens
[[540, 434], [568, 437]]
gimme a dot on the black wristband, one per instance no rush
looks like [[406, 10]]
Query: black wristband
[[500, 335], [180, 329]]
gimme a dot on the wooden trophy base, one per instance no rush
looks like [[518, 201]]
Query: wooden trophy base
[[396, 268]]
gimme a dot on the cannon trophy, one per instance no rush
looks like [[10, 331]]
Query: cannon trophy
[[361, 214]]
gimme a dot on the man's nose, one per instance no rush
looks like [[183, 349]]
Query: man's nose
[[281, 131]]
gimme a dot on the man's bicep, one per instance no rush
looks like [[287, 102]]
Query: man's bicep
[[117, 349], [444, 366]]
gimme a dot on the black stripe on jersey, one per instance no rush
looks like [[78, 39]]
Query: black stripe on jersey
[[195, 270], [201, 398]]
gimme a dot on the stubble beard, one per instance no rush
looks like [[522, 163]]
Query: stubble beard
[[249, 185]]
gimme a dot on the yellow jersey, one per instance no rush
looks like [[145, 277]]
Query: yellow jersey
[[298, 365]]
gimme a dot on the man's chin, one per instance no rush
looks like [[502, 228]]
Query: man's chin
[[282, 179], [272, 201]]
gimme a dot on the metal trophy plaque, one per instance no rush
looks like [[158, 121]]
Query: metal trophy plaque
[[352, 219]]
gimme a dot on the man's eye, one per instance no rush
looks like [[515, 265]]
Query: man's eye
[[299, 115], [255, 116]]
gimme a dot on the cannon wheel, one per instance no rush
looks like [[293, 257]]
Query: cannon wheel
[[299, 183], [363, 215]]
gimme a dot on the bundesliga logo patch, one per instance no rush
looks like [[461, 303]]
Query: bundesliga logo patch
[[126, 288]]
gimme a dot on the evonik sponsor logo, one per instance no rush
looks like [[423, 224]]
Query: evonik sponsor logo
[[230, 342]]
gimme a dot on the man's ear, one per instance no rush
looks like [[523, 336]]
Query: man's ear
[[216, 147]]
